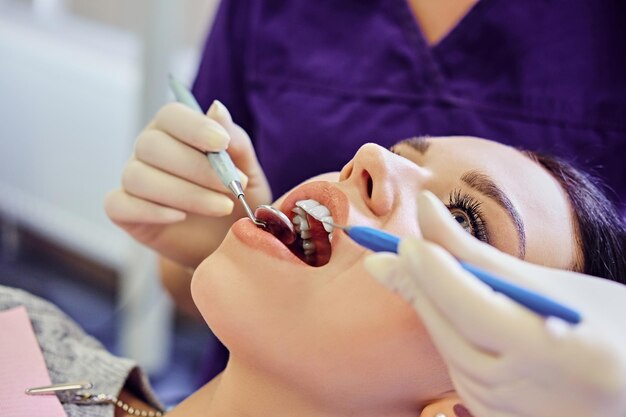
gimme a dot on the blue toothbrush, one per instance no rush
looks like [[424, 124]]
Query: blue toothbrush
[[379, 241]]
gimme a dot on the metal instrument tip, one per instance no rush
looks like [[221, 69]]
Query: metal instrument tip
[[334, 225]]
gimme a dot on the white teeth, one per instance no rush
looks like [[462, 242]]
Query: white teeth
[[316, 210], [329, 228], [319, 212], [304, 224], [299, 211], [296, 222], [301, 225], [308, 246], [306, 205]]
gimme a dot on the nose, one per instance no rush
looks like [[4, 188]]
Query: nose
[[383, 178]]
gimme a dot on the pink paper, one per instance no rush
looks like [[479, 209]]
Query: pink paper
[[22, 366]]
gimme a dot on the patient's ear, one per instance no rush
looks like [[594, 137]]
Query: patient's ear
[[449, 407]]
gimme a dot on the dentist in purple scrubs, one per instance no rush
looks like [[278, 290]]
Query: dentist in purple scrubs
[[311, 81]]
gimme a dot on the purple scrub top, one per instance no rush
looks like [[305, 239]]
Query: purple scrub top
[[311, 81]]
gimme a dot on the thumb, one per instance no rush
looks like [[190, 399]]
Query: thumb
[[220, 114], [386, 269], [240, 148]]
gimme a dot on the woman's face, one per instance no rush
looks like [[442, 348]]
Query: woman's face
[[334, 331]]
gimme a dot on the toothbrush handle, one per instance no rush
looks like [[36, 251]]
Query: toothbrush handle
[[380, 241], [220, 161]]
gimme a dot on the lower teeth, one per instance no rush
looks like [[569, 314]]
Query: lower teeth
[[303, 228], [301, 225], [308, 246]]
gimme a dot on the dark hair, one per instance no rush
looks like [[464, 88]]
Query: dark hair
[[601, 230]]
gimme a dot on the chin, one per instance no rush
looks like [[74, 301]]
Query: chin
[[304, 323], [307, 318], [241, 290], [252, 271]]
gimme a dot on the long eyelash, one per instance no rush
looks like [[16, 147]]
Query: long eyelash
[[472, 208]]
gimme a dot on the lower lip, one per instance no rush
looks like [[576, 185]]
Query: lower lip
[[255, 237]]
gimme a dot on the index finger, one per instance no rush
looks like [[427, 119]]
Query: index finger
[[488, 320], [191, 127]]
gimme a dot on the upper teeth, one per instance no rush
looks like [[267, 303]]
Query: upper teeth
[[316, 210], [301, 223]]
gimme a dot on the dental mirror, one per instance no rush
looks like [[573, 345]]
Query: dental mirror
[[276, 223], [271, 219]]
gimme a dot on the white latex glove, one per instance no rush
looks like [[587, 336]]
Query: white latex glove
[[171, 199], [504, 360]]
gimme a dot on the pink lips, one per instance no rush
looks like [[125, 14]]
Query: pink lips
[[255, 237], [323, 192]]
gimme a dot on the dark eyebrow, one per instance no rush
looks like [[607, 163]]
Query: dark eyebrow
[[419, 143], [485, 185]]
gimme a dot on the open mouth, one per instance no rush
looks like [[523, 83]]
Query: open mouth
[[313, 232]]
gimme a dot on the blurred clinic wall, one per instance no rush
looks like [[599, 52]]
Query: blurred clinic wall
[[78, 80]]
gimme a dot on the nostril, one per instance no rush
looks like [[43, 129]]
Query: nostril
[[370, 184]]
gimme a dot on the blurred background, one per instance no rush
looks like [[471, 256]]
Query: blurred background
[[78, 80]]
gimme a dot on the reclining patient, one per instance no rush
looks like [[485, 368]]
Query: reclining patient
[[311, 334]]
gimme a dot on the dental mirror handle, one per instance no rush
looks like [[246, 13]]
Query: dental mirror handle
[[220, 161], [379, 241]]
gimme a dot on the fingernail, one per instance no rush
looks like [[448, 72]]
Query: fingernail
[[219, 112], [216, 136], [427, 201], [461, 411]]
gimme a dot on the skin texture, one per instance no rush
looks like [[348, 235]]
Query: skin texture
[[437, 18], [330, 341]]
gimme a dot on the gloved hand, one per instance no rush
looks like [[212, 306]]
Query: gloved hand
[[171, 199], [504, 360]]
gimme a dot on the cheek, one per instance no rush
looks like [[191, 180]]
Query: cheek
[[365, 333], [306, 328], [254, 314]]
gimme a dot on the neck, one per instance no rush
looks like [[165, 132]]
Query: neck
[[241, 391]]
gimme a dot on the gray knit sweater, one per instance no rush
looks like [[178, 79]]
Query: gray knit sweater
[[71, 355]]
